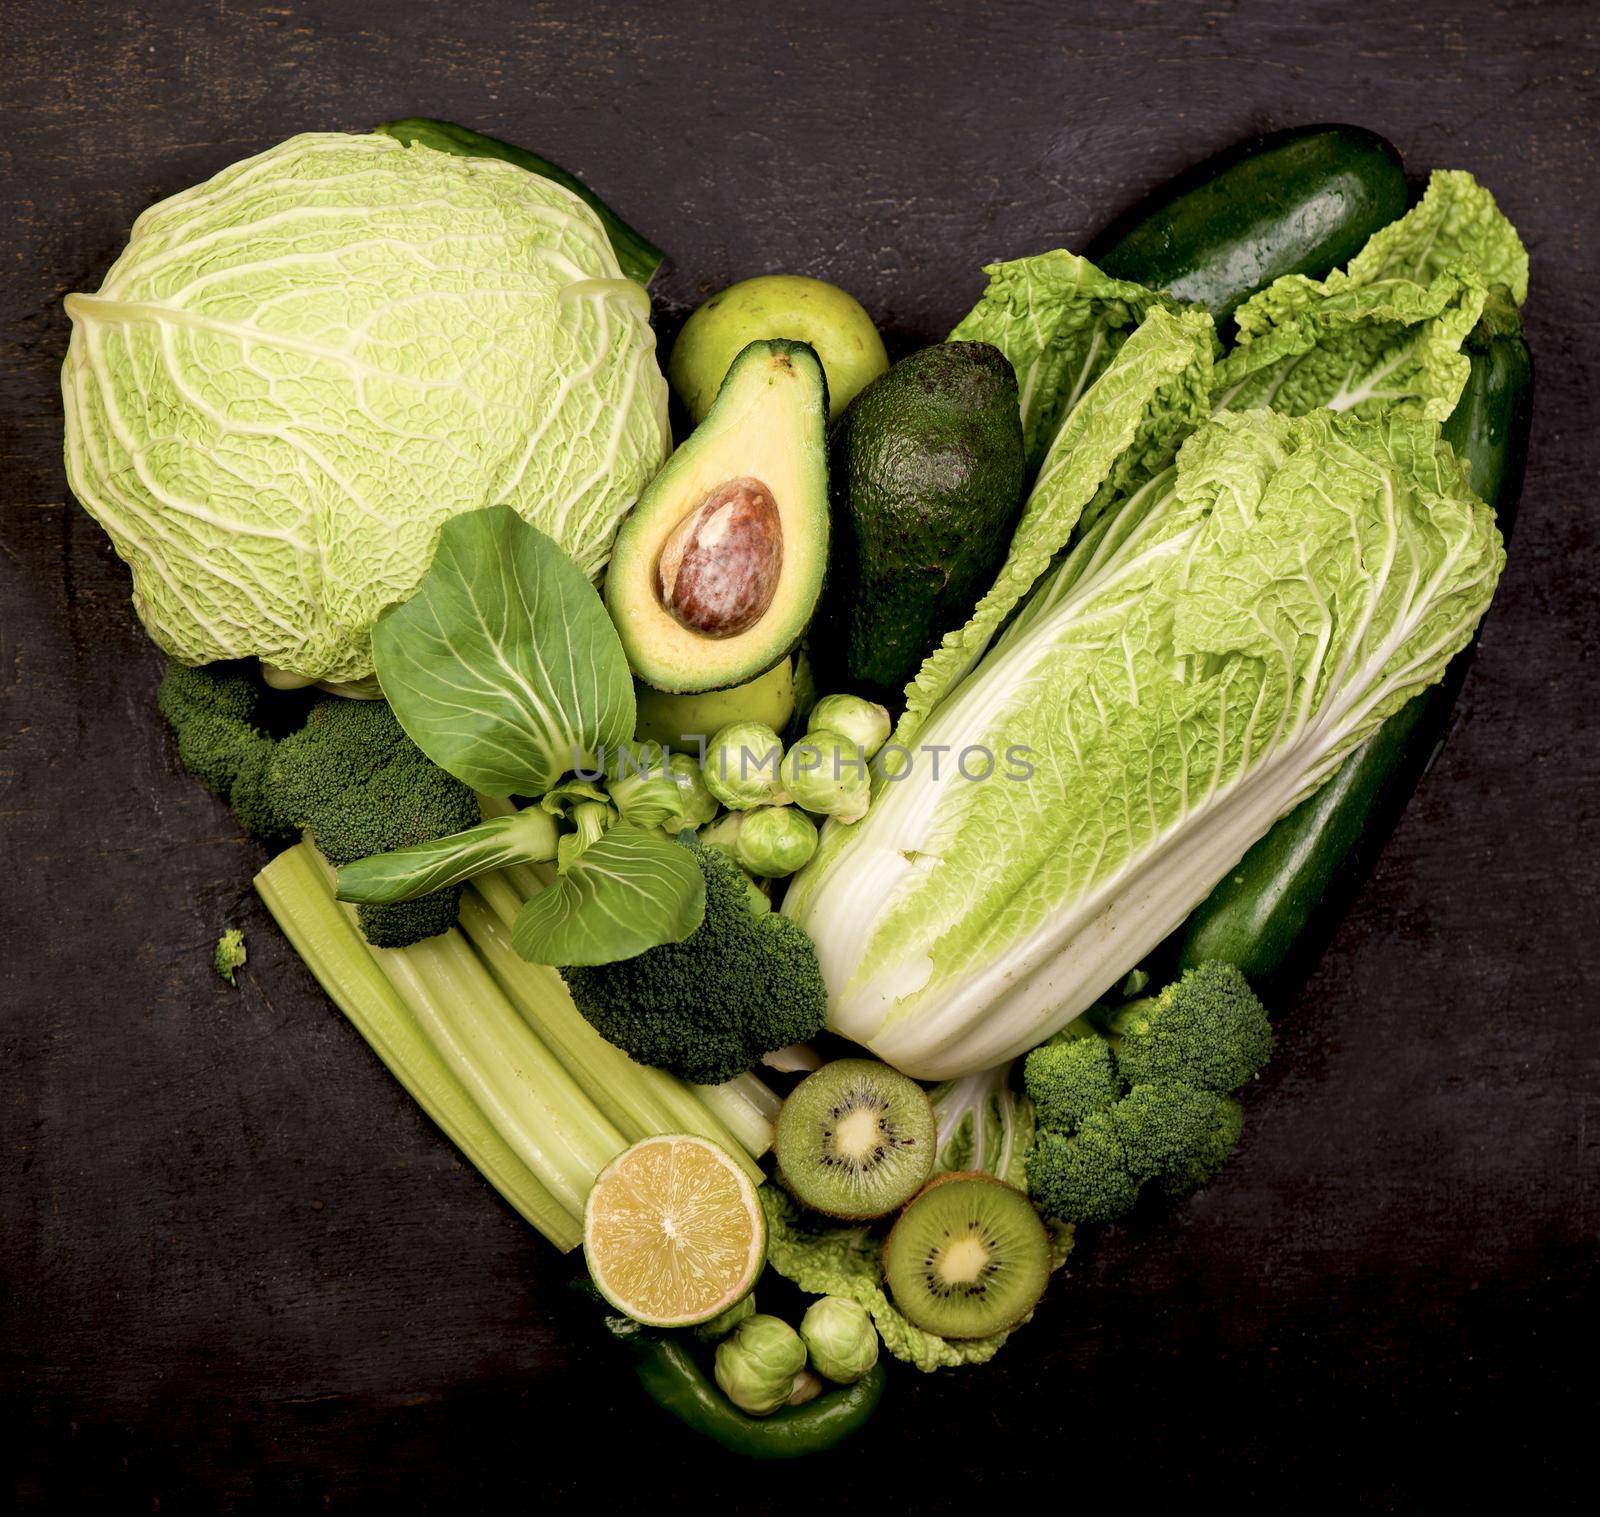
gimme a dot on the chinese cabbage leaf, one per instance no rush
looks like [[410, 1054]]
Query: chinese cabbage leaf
[[1202, 659]]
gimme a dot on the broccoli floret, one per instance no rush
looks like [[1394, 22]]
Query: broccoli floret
[[213, 714], [1203, 1162], [230, 954], [1070, 1079], [1084, 1177], [743, 983], [1141, 1096], [1207, 1029], [349, 775], [1170, 1129], [354, 780]]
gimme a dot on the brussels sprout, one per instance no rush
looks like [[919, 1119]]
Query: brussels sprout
[[864, 722], [658, 789], [724, 832], [724, 1322], [741, 766], [775, 841], [757, 1364], [827, 774], [840, 1338], [806, 1387]]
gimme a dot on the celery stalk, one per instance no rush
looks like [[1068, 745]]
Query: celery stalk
[[520, 1086], [296, 888], [641, 1101], [746, 1106]]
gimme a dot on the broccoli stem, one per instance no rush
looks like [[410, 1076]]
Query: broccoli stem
[[527, 836], [297, 889]]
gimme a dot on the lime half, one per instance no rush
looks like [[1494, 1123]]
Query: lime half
[[673, 1232]]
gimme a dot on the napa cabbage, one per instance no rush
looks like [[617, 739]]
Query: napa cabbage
[[297, 371], [1204, 656], [1177, 650], [1385, 332]]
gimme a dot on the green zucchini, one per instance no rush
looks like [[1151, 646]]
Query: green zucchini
[[637, 256], [1265, 915], [1302, 201]]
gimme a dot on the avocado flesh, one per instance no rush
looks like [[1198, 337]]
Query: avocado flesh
[[768, 424], [927, 477]]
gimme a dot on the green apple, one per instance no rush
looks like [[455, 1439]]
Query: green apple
[[777, 305]]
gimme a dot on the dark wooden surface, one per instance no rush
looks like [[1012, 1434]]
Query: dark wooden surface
[[239, 1268]]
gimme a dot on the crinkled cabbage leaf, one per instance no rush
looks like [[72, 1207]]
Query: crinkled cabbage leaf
[[1060, 321], [299, 370], [1385, 332], [1124, 427]]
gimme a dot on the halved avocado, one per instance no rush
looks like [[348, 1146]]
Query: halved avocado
[[717, 571]]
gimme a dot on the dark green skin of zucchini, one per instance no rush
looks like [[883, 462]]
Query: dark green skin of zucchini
[[1273, 912], [674, 1380], [637, 256], [1297, 202]]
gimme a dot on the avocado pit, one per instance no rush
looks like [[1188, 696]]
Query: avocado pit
[[719, 567]]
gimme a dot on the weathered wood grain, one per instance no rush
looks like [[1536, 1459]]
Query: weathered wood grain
[[240, 1270]]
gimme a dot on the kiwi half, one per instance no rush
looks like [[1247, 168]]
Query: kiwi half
[[969, 1257], [855, 1139]]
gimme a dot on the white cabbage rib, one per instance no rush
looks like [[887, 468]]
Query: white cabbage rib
[[1204, 659], [299, 370]]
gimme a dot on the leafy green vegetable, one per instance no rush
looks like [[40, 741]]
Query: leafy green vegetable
[[984, 1124], [504, 667], [824, 1259], [628, 890], [1126, 426], [1060, 321], [1353, 347], [638, 257], [1202, 665], [1455, 222], [527, 836], [1386, 332], [299, 370]]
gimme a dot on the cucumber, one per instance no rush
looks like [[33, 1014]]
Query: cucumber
[[1302, 201], [637, 256], [1272, 911]]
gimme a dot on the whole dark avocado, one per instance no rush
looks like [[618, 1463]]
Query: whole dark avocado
[[927, 469]]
